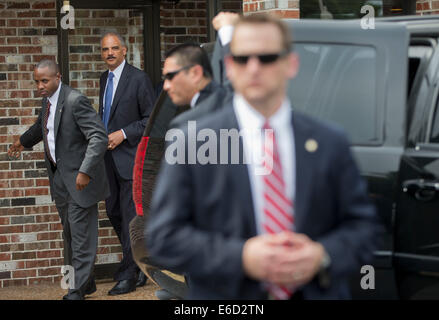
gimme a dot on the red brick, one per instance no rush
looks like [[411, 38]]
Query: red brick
[[22, 183], [56, 262], [21, 23], [11, 175], [12, 193], [49, 236], [24, 274], [37, 192], [19, 76], [106, 241], [20, 94], [36, 227], [4, 50], [37, 264], [11, 229], [14, 283], [49, 254], [44, 5], [55, 226], [44, 23], [39, 280], [10, 212], [5, 256], [34, 49], [4, 221]]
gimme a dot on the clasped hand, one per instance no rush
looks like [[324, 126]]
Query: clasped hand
[[286, 258]]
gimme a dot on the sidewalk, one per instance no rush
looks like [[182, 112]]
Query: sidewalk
[[55, 292]]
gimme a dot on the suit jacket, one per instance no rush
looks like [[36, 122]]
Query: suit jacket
[[80, 145], [201, 215], [210, 99], [132, 104]]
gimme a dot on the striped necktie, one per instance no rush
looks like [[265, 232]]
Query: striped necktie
[[278, 207]]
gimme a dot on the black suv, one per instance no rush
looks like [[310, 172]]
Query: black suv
[[381, 85]]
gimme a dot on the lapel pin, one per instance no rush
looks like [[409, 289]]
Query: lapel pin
[[311, 145]]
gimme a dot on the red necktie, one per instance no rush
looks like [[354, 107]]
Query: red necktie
[[278, 208], [46, 132]]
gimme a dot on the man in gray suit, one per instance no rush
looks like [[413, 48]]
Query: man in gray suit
[[75, 142]]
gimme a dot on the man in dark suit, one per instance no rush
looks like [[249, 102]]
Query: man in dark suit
[[188, 81], [293, 226], [126, 100], [75, 142]]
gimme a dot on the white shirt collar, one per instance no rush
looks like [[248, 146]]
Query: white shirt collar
[[255, 120], [53, 99], [194, 99], [118, 71]]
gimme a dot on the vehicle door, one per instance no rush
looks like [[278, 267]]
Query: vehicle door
[[357, 78]]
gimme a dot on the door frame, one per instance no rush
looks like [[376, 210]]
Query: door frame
[[151, 32]]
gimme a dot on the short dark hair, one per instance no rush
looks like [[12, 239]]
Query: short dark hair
[[264, 18], [191, 54], [47, 63]]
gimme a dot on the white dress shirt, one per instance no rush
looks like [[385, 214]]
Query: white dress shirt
[[53, 99], [251, 122], [117, 73], [194, 99]]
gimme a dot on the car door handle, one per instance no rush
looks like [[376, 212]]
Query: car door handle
[[422, 190]]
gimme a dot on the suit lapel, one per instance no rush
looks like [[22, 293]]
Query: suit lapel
[[304, 170], [122, 84], [239, 175], [59, 108]]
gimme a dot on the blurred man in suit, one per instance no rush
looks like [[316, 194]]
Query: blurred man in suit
[[126, 100], [75, 142], [293, 226]]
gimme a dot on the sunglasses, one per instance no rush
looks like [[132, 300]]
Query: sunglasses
[[262, 58], [170, 75]]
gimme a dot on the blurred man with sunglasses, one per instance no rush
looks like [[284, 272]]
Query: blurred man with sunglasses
[[295, 230]]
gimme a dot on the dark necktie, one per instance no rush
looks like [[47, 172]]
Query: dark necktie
[[278, 208], [108, 98]]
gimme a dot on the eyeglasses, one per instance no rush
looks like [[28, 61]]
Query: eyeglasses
[[170, 75], [262, 58]]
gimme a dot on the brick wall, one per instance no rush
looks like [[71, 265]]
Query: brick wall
[[284, 9], [31, 246], [424, 7]]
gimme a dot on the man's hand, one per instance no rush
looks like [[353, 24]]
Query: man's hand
[[300, 261], [82, 180], [115, 139], [223, 19], [15, 149], [260, 254]]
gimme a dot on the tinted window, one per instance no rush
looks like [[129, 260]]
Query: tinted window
[[338, 83]]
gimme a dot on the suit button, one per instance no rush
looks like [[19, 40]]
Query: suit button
[[58, 160]]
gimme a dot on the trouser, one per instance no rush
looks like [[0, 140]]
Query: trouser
[[121, 210], [80, 233]]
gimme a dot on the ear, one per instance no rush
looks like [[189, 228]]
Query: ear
[[293, 65], [197, 72], [124, 51]]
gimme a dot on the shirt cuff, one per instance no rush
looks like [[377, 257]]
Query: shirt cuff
[[124, 135], [225, 34]]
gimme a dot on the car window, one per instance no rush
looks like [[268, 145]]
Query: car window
[[338, 83]]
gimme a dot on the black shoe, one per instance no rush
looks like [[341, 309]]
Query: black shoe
[[91, 287], [123, 286], [163, 294], [73, 296], [141, 279]]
